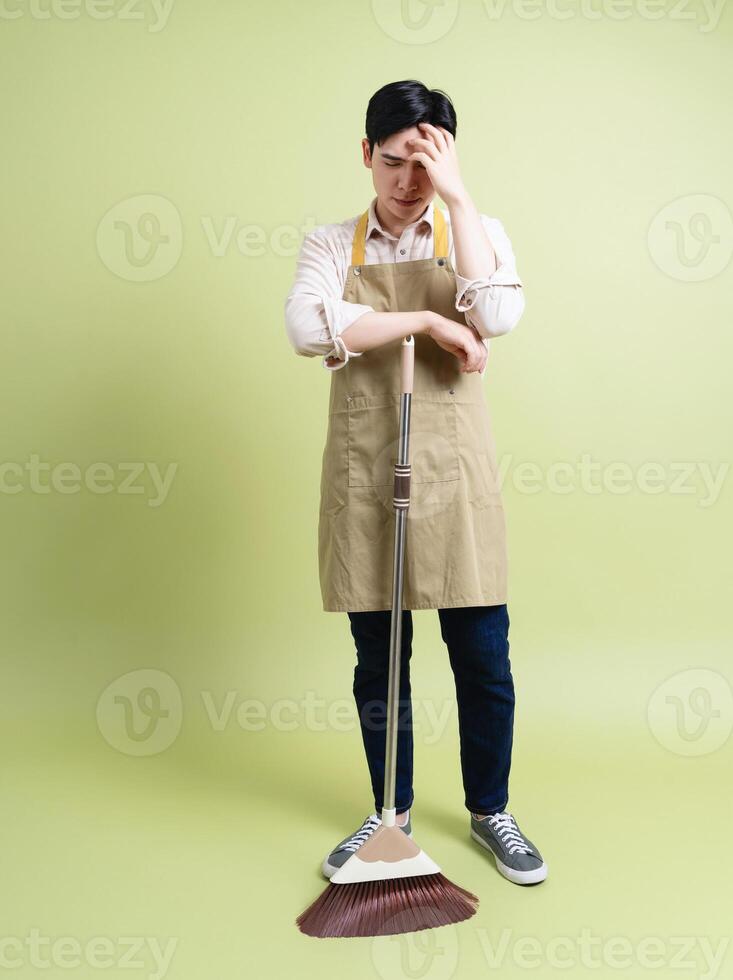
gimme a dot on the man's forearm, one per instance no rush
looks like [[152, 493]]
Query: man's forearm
[[475, 256], [374, 329]]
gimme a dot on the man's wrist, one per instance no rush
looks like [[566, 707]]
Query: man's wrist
[[461, 199], [426, 321]]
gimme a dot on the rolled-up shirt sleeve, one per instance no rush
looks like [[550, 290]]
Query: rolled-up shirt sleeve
[[315, 313], [494, 303]]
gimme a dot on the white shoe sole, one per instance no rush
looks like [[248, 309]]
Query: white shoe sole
[[518, 877], [329, 869]]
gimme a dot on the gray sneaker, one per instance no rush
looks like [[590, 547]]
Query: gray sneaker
[[345, 848], [516, 856]]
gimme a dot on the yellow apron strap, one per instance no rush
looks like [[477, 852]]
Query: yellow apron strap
[[440, 237], [357, 249], [440, 234]]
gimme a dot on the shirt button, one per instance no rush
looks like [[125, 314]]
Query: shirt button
[[357, 271], [402, 251], [451, 391]]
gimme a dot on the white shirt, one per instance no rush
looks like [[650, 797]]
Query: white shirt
[[316, 314]]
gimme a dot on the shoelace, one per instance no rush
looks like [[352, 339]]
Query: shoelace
[[366, 829], [509, 834]]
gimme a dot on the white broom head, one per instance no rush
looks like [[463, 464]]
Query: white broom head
[[388, 853]]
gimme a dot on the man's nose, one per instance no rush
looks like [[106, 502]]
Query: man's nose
[[408, 178]]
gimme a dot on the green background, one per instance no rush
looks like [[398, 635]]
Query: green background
[[577, 133]]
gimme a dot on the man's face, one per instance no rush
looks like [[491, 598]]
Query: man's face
[[397, 180]]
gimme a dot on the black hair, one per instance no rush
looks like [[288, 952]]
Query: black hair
[[401, 105]]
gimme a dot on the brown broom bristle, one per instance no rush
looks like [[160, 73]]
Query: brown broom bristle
[[387, 907]]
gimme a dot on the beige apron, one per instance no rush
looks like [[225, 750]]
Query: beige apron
[[455, 548]]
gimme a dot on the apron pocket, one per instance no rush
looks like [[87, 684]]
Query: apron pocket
[[373, 439]]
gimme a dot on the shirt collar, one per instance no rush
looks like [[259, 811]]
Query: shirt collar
[[373, 223]]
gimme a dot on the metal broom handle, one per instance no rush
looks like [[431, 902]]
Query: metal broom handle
[[401, 502]]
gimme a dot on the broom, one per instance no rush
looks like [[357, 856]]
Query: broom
[[390, 885]]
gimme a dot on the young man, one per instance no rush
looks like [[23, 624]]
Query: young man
[[448, 278]]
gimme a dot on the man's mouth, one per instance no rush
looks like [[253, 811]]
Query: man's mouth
[[408, 203]]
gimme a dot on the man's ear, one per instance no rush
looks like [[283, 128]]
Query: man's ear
[[366, 155]]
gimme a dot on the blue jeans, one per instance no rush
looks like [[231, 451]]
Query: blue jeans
[[477, 638]]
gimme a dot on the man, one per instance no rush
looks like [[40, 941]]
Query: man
[[405, 267]]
